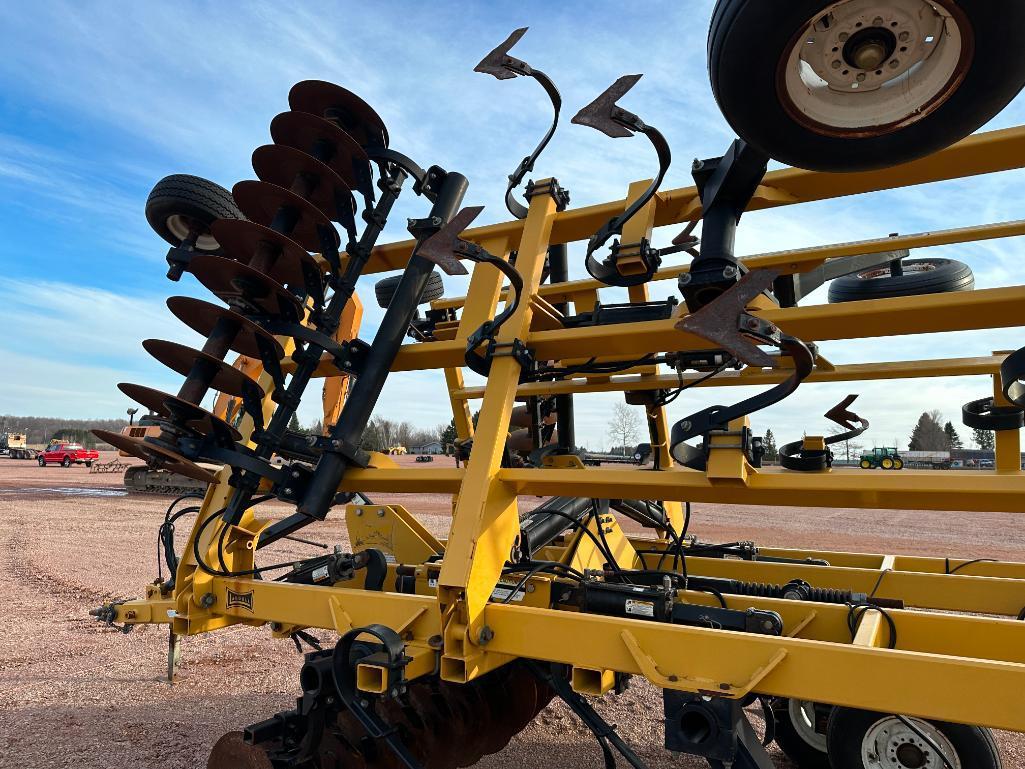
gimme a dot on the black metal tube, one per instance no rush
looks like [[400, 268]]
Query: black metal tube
[[363, 397], [558, 272], [718, 232], [541, 525]]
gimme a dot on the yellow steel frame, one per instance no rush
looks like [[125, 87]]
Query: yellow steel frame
[[946, 665]]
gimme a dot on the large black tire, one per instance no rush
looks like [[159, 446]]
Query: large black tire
[[181, 200], [385, 289], [751, 41], [849, 728], [799, 748], [921, 276]]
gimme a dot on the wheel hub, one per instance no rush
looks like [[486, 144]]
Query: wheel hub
[[892, 744], [872, 66]]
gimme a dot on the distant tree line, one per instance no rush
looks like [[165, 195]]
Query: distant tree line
[[40, 430], [932, 434]]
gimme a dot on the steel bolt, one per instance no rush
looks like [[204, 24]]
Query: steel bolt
[[843, 37], [837, 64], [485, 635], [288, 489], [208, 600], [894, 64], [729, 271], [530, 588], [861, 77], [295, 473], [435, 642], [877, 21], [685, 424], [697, 165], [904, 36], [685, 279], [380, 513]]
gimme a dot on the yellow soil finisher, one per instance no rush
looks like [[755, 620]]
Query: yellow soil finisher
[[448, 647]]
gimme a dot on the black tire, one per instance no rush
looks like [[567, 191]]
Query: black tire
[[849, 727], [66, 462], [794, 745], [921, 276], [385, 289], [181, 200], [748, 39], [89, 463], [42, 462]]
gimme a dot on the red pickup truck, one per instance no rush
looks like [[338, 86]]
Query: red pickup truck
[[66, 454]]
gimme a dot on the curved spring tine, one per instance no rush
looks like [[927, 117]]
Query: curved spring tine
[[499, 64], [605, 115], [845, 418]]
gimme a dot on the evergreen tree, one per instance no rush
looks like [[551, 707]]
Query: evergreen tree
[[984, 439], [769, 441], [293, 424], [448, 435], [928, 435], [953, 439]]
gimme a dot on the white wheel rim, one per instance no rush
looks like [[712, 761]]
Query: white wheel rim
[[180, 227], [869, 67], [802, 716], [890, 744], [906, 267]]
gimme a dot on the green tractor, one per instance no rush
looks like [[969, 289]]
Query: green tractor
[[886, 458]]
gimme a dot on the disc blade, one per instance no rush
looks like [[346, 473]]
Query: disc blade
[[181, 358], [281, 165], [245, 288], [262, 202], [202, 317], [280, 257], [331, 101], [332, 145]]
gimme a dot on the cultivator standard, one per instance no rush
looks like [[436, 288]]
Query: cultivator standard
[[449, 647]]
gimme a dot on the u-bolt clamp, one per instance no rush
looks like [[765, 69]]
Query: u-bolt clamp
[[445, 248], [605, 115], [502, 66], [727, 324]]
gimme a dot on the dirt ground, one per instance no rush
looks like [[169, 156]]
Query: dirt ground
[[76, 694]]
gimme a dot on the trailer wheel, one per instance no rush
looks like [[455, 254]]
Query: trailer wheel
[[916, 276], [384, 290], [801, 731], [861, 84], [861, 739], [180, 203], [866, 464]]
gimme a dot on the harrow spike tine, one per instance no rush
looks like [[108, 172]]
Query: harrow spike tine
[[599, 113], [717, 320], [440, 247], [842, 416], [499, 63]]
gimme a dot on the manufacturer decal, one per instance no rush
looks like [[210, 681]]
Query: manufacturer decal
[[240, 600]]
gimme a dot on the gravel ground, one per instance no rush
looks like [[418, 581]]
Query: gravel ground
[[76, 694]]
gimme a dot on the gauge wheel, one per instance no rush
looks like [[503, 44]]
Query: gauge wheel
[[914, 277], [898, 463], [860, 739], [886, 463], [181, 204], [384, 290], [801, 731], [866, 464], [852, 85]]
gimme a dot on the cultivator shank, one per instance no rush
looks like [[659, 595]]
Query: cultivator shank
[[448, 647]]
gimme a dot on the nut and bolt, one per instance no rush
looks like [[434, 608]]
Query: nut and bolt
[[729, 271], [904, 36], [485, 635], [685, 424], [684, 279], [207, 600], [359, 512], [380, 513], [435, 642]]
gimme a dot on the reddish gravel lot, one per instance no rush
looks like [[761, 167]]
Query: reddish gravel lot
[[75, 694]]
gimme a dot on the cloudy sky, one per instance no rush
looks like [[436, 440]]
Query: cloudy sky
[[99, 100]]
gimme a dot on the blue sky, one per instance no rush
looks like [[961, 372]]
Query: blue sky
[[100, 100]]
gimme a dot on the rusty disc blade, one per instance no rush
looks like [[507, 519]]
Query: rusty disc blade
[[241, 286], [333, 102], [248, 242], [171, 406], [323, 138], [155, 454], [232, 752], [281, 165], [263, 201], [181, 358], [202, 317]]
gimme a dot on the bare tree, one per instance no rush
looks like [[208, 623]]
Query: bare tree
[[849, 448], [623, 426]]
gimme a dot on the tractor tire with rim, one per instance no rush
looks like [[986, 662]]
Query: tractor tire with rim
[[861, 739], [384, 290], [921, 276], [886, 463], [801, 740], [898, 463], [862, 84], [66, 462], [181, 201], [866, 464]]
